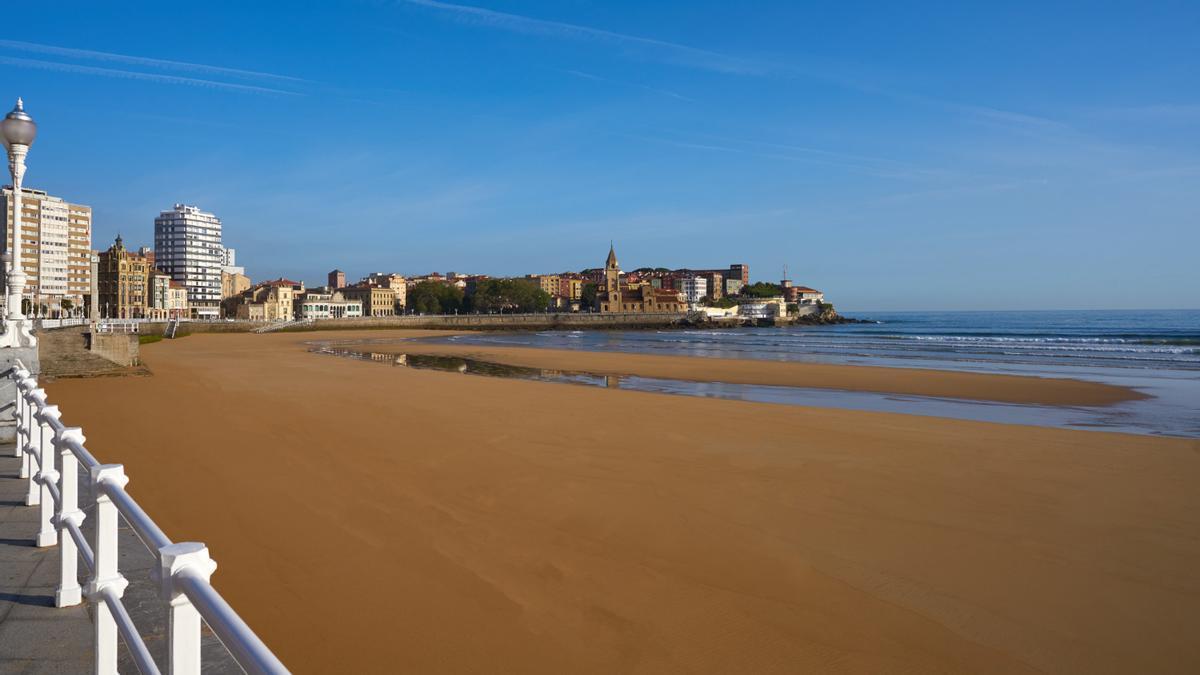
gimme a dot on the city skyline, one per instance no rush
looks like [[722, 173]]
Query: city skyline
[[977, 172]]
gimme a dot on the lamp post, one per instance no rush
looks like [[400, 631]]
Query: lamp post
[[17, 130]]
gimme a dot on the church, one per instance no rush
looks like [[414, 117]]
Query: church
[[613, 296]]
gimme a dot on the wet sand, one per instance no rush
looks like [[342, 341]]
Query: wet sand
[[912, 381], [377, 519]]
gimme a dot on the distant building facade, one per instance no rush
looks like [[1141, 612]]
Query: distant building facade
[[56, 249], [376, 300], [397, 283], [270, 301], [613, 296], [187, 246], [694, 289], [124, 282], [168, 298], [329, 305], [337, 279]]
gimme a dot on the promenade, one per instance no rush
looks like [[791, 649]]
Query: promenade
[[37, 637]]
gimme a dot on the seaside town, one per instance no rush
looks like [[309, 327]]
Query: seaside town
[[189, 273], [451, 337]]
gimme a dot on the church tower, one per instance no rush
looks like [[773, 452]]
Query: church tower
[[612, 281]]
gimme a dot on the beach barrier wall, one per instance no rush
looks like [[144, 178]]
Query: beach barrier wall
[[53, 457], [551, 321]]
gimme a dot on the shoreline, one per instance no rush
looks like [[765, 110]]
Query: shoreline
[[365, 516], [962, 385]]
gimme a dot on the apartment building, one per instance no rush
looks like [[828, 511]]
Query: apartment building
[[123, 282], [187, 245], [56, 250], [168, 298], [396, 282], [376, 300], [270, 301], [693, 289]]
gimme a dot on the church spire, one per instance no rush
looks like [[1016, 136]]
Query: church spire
[[611, 263]]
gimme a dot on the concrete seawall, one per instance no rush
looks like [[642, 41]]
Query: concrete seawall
[[462, 322]]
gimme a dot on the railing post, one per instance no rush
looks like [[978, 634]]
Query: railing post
[[33, 439], [69, 592], [19, 414], [183, 621], [47, 476], [23, 437], [105, 575]]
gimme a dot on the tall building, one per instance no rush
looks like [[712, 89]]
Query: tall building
[[694, 289], [187, 246], [123, 282], [56, 253], [337, 279]]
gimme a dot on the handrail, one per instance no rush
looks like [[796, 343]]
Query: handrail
[[134, 641], [147, 530], [53, 455], [253, 656]]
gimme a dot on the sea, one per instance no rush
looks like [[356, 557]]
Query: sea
[[1154, 351]]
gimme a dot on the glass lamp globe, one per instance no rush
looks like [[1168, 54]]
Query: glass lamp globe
[[18, 128]]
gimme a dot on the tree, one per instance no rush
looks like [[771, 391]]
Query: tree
[[512, 295], [66, 304], [434, 297], [724, 302], [762, 289], [587, 295]]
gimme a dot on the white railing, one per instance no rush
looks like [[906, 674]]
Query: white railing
[[57, 452], [118, 326], [60, 323]]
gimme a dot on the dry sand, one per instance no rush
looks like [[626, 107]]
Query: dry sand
[[377, 519]]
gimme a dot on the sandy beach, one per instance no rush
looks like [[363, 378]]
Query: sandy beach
[[377, 519]]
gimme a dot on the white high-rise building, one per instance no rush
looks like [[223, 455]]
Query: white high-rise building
[[187, 246], [694, 288], [230, 266]]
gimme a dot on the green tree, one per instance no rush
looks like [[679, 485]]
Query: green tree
[[433, 297], [722, 302], [762, 289], [509, 295], [587, 297]]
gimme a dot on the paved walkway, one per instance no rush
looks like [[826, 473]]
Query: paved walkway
[[35, 636]]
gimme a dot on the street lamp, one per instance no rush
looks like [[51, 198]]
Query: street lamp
[[17, 131]]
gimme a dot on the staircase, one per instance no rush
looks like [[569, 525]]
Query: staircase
[[270, 328]]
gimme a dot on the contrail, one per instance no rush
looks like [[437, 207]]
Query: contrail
[[134, 75], [142, 61]]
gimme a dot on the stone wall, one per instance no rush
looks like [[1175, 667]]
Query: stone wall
[[505, 321], [8, 389], [460, 322], [120, 348]]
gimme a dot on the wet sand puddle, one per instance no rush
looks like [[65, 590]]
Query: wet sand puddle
[[1113, 418]]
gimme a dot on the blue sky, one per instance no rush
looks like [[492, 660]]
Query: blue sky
[[896, 155]]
